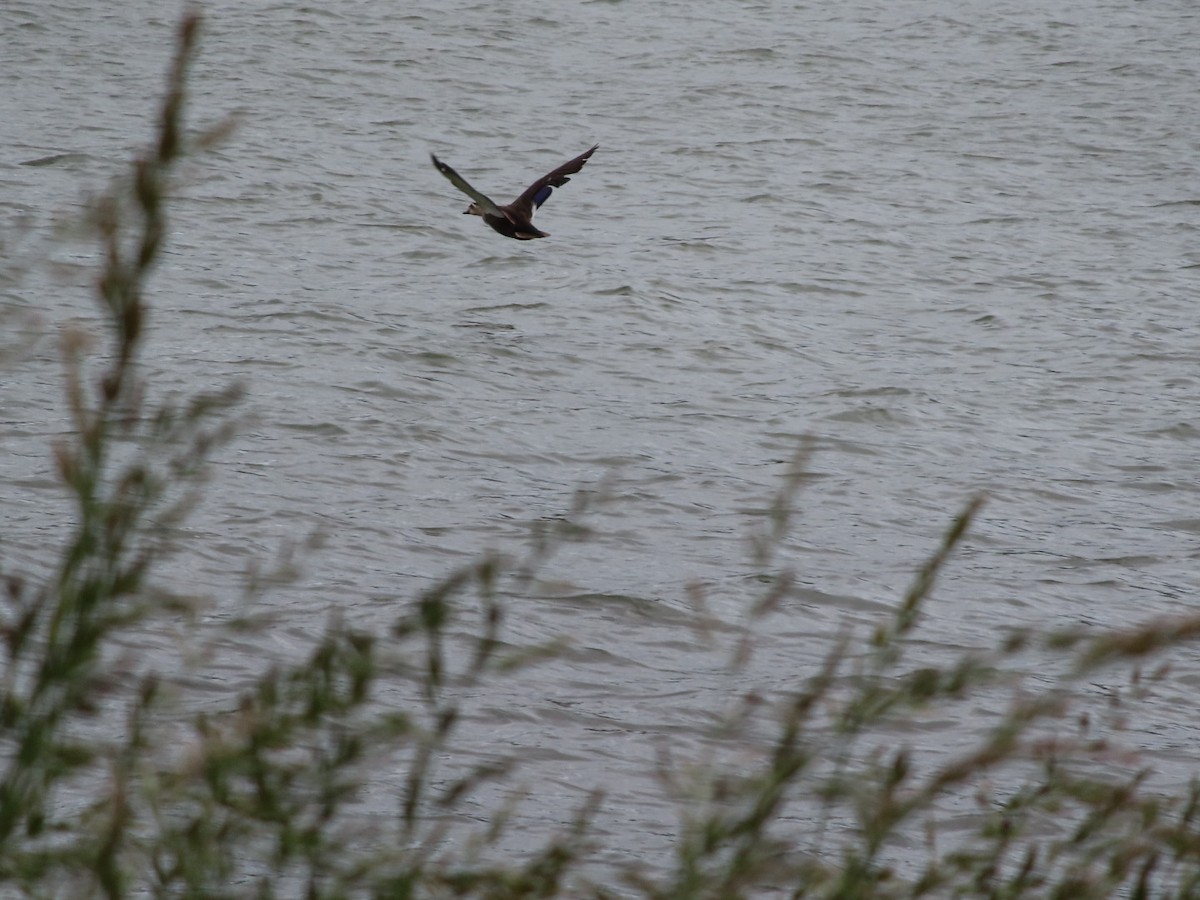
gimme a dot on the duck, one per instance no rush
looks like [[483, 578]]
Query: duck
[[516, 219]]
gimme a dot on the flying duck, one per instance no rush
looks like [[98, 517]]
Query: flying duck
[[516, 219]]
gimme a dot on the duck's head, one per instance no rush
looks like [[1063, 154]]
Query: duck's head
[[473, 210]]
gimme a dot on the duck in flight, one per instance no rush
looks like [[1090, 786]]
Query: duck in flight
[[516, 219]]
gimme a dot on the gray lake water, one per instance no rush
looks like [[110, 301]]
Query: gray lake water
[[955, 245]]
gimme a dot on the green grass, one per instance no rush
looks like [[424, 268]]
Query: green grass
[[262, 797]]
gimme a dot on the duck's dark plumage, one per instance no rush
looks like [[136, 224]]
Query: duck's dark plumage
[[516, 219]]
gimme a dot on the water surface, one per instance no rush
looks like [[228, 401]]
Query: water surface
[[953, 246]]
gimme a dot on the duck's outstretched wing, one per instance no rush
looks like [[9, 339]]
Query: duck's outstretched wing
[[485, 202], [535, 195]]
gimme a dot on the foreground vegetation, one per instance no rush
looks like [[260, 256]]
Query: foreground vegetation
[[109, 788]]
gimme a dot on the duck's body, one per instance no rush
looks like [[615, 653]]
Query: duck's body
[[516, 219]]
